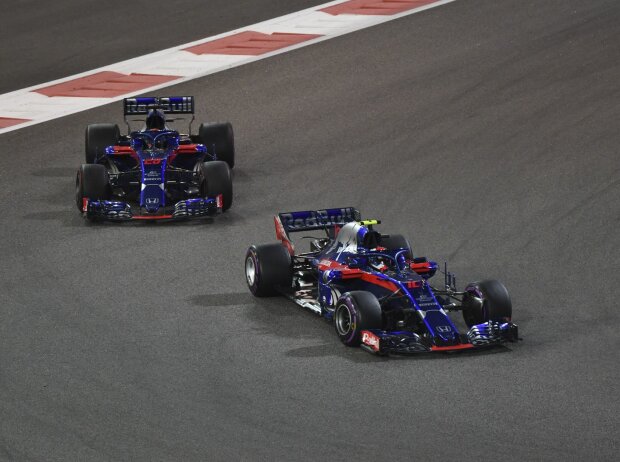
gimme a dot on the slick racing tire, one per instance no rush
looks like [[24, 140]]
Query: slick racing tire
[[267, 267], [216, 179], [486, 301], [356, 311], [91, 182], [221, 137], [99, 137], [397, 241]]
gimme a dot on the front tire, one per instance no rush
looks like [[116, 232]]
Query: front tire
[[216, 179], [91, 182], [268, 267], [486, 301], [98, 137], [356, 311], [220, 136]]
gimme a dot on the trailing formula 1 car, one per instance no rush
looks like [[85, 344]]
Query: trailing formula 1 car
[[376, 293], [156, 173]]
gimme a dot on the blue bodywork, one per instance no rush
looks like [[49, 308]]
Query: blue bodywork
[[155, 169], [152, 152], [415, 313]]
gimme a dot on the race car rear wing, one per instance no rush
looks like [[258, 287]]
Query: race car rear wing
[[317, 219], [168, 104], [327, 219]]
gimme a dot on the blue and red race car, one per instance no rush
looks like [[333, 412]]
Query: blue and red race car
[[156, 173], [376, 293]]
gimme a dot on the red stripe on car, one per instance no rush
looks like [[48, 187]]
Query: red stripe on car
[[463, 346], [151, 217]]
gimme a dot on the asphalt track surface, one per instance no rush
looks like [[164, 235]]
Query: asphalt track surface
[[487, 131], [43, 41]]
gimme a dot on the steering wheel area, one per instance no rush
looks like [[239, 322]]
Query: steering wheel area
[[149, 141], [382, 262]]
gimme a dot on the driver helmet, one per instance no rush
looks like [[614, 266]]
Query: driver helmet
[[361, 232], [368, 238], [156, 120]]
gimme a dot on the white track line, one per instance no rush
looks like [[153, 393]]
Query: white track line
[[38, 108]]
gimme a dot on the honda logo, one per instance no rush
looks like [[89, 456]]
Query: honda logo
[[443, 329], [152, 200]]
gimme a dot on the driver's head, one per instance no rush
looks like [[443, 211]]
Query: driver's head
[[156, 120], [371, 239]]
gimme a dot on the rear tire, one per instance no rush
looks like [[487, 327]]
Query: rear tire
[[216, 179], [356, 311], [486, 301], [99, 137], [91, 182], [267, 267], [221, 135]]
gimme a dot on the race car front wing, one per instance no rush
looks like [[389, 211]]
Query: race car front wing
[[404, 342], [122, 211]]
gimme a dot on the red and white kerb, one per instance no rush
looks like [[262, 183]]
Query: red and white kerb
[[158, 70]]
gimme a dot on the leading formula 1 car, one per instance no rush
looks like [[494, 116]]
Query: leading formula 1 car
[[375, 291], [156, 172]]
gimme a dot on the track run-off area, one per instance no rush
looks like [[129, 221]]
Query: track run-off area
[[485, 131]]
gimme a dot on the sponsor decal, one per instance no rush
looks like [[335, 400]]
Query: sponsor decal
[[424, 298], [443, 329], [370, 339], [152, 200], [295, 220], [172, 105], [152, 161], [153, 173]]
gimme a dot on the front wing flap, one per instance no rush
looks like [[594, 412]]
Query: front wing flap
[[404, 342], [122, 211]]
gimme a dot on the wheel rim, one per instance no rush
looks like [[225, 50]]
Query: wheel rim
[[250, 271], [343, 320]]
